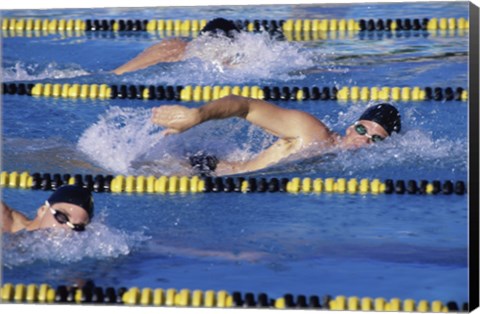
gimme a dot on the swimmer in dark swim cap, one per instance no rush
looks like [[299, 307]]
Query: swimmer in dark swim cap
[[384, 114], [69, 207], [220, 26], [173, 49], [374, 125], [297, 131]]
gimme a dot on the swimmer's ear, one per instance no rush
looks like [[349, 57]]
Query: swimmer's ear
[[42, 210]]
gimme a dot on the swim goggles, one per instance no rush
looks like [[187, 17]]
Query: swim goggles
[[62, 219], [362, 130]]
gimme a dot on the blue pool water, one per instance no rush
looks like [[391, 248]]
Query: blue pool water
[[405, 246]]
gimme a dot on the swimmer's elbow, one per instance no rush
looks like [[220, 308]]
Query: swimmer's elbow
[[246, 104], [119, 71]]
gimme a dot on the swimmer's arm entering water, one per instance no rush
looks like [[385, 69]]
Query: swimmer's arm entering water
[[296, 129], [169, 50]]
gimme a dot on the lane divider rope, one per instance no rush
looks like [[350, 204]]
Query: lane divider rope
[[306, 36], [44, 293], [207, 93], [298, 36], [195, 184], [290, 25]]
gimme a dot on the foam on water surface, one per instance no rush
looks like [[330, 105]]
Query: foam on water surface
[[21, 71], [98, 241]]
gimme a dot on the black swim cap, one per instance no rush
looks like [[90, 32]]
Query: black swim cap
[[74, 195], [384, 114], [220, 26]]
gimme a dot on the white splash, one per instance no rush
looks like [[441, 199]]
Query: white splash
[[28, 72], [120, 136], [98, 241], [251, 55], [125, 141], [210, 60]]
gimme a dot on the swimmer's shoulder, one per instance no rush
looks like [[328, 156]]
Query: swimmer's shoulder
[[310, 129], [322, 137], [12, 221]]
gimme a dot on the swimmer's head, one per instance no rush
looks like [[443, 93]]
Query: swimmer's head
[[69, 207], [385, 115], [75, 195], [374, 125], [220, 26]]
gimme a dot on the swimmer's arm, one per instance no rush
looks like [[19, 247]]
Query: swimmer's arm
[[279, 150], [225, 167], [170, 50], [283, 123]]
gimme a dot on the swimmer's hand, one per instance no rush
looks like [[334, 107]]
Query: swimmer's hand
[[175, 118]]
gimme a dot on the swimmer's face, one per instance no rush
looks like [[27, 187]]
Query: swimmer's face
[[362, 133], [63, 215]]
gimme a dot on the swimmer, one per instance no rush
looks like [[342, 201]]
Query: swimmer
[[173, 50], [69, 207], [296, 130]]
